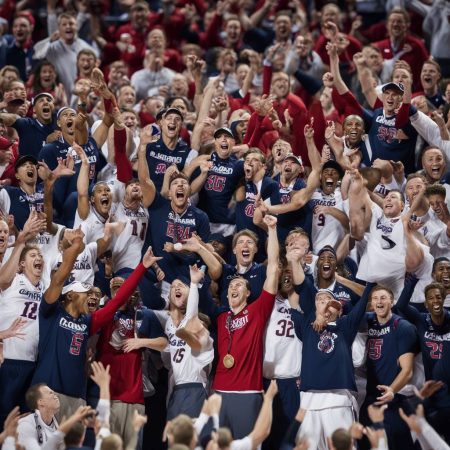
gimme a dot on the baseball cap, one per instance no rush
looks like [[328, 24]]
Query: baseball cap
[[223, 130], [172, 111], [76, 286], [333, 301], [392, 85], [293, 157], [332, 164], [24, 159], [327, 248], [41, 94]]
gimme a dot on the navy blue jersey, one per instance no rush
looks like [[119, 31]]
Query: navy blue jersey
[[256, 276], [327, 356], [150, 326], [300, 218], [219, 187], [62, 350], [159, 158], [383, 139], [21, 203], [385, 344], [166, 226], [431, 336], [32, 134]]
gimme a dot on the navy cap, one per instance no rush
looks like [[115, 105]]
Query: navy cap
[[24, 159], [223, 130], [392, 85], [332, 164]]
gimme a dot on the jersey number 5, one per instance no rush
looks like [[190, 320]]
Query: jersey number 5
[[375, 348], [286, 328], [75, 345]]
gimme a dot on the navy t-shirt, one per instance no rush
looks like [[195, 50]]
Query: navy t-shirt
[[22, 203], [385, 344], [32, 134], [159, 158], [166, 226], [62, 350], [219, 187]]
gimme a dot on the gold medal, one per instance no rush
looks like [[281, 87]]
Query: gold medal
[[228, 361]]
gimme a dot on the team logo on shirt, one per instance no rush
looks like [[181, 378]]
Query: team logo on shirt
[[326, 342], [238, 322]]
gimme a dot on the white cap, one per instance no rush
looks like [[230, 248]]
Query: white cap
[[76, 286]]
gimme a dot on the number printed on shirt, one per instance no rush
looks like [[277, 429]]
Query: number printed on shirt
[[285, 328], [178, 355], [435, 349], [75, 345], [215, 183], [321, 220], [134, 229], [30, 310], [375, 348]]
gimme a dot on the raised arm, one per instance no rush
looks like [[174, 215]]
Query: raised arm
[[414, 251], [102, 316], [357, 313], [53, 292], [147, 185], [192, 302], [339, 83], [360, 212], [31, 228], [82, 183], [273, 251], [365, 78]]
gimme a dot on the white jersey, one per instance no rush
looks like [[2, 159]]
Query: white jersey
[[21, 299], [423, 274], [127, 246], [383, 189], [383, 260], [326, 230], [282, 348], [93, 226], [84, 266], [186, 366], [435, 232]]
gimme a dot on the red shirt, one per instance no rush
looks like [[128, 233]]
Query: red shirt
[[248, 329]]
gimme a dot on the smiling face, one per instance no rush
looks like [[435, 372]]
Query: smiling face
[[101, 199], [441, 273], [27, 173], [179, 192], [436, 203], [434, 301], [401, 75], [171, 126], [391, 100], [43, 109], [253, 164], [66, 121], [178, 295], [21, 30], [67, 28], [433, 164], [329, 180], [286, 282], [381, 302], [32, 264], [130, 120], [429, 76], [223, 144], [127, 97], [47, 76], [414, 187], [280, 85], [397, 26], [393, 204], [93, 299], [279, 150], [283, 28], [326, 266], [48, 399], [4, 236], [238, 293], [245, 250], [291, 169], [353, 130]]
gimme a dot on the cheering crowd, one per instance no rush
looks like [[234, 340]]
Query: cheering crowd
[[224, 225]]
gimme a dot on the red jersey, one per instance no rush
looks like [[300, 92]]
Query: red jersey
[[247, 330], [126, 369]]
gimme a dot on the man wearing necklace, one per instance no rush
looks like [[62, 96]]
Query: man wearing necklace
[[240, 336]]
